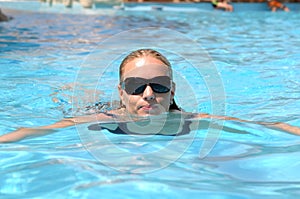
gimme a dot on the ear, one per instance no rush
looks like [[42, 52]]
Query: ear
[[121, 94], [173, 91]]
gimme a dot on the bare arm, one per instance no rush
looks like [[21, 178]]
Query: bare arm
[[44, 130], [273, 125]]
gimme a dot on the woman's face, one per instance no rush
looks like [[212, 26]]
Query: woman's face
[[148, 102]]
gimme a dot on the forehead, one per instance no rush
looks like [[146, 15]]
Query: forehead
[[146, 67]]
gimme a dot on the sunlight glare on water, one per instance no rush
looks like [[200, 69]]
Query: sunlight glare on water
[[257, 57]]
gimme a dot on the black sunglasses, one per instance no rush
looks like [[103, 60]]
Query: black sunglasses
[[137, 85]]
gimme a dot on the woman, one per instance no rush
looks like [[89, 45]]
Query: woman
[[145, 88]]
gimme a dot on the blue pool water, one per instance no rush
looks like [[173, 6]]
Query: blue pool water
[[43, 51]]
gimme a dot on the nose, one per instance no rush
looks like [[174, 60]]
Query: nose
[[148, 94]]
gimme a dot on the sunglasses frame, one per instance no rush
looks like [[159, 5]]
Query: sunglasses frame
[[164, 81]]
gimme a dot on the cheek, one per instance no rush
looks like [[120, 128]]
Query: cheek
[[164, 100], [131, 101]]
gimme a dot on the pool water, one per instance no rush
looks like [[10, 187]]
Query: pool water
[[257, 58]]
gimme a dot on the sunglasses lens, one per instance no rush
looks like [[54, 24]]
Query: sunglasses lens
[[133, 86], [158, 88], [139, 90]]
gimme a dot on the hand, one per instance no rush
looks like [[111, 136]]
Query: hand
[[285, 127]]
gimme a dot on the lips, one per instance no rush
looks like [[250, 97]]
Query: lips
[[149, 109], [146, 107]]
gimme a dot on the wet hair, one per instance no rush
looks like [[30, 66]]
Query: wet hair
[[143, 53]]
